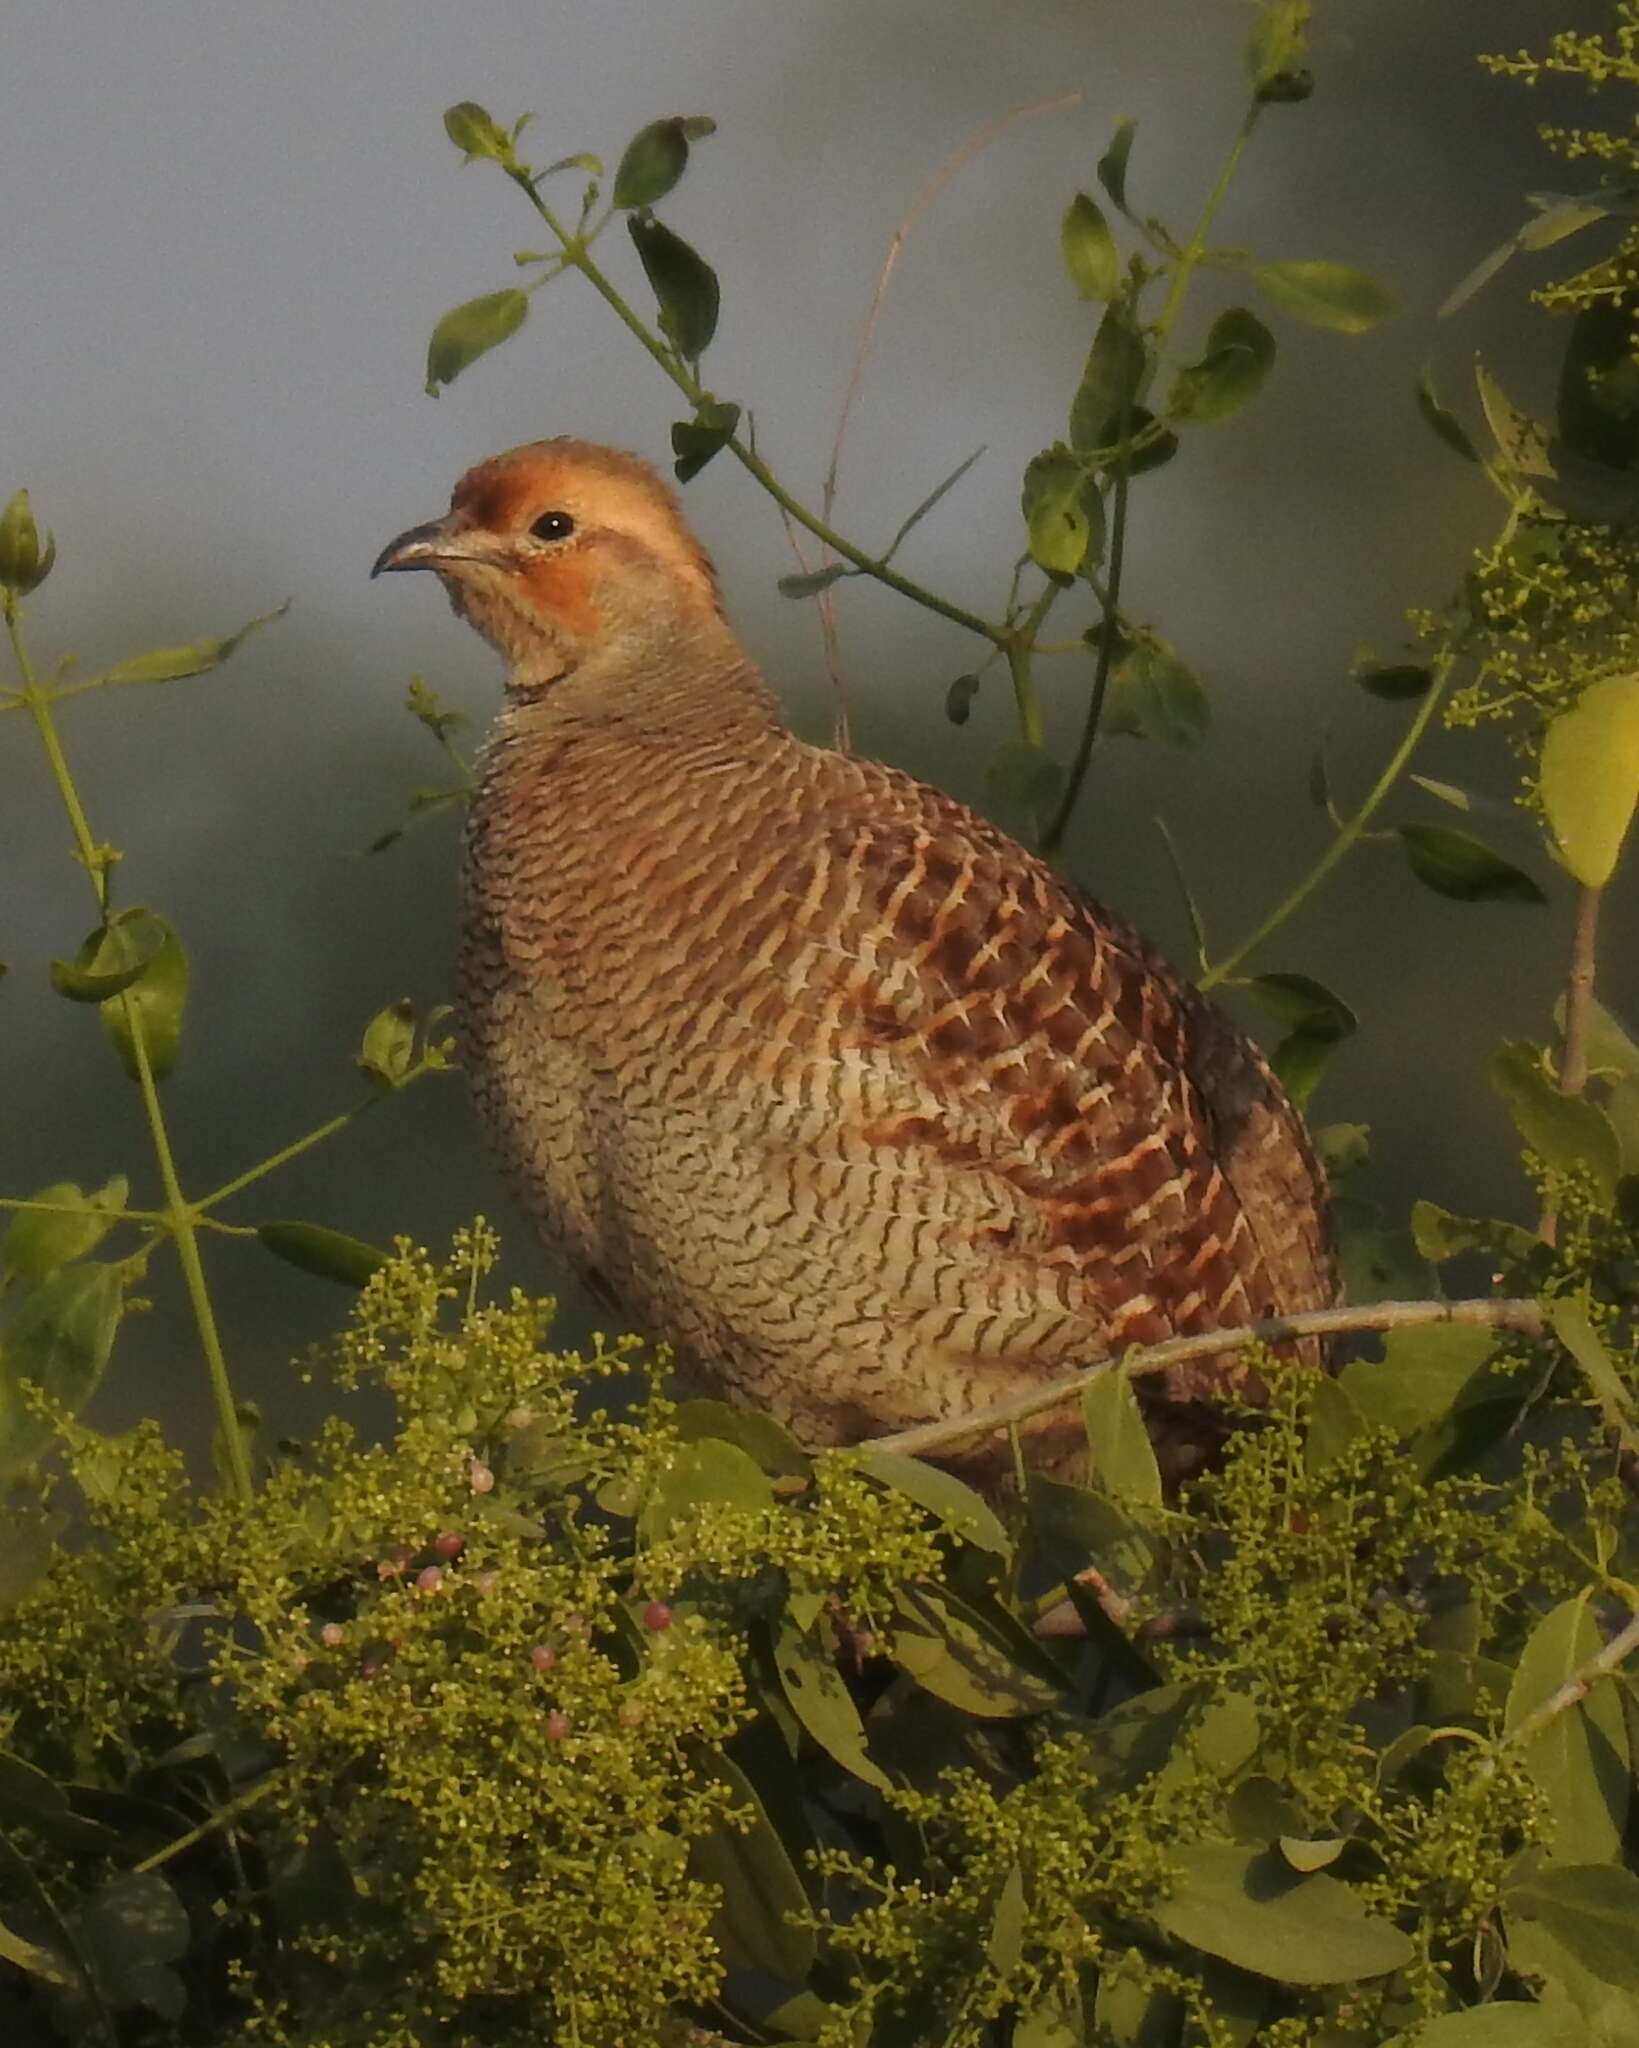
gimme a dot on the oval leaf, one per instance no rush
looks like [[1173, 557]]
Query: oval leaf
[[1109, 382], [1253, 1910], [1154, 694], [1063, 512], [153, 1003], [1580, 1760], [1590, 777], [760, 1889], [1399, 682], [1330, 295], [1591, 1909], [1458, 865], [59, 1341], [684, 284], [815, 1692], [472, 330], [172, 664], [1230, 374], [1564, 1131], [651, 164], [475, 132], [944, 1496], [1503, 2023], [38, 1241], [1121, 1458], [330, 1253], [1090, 253]]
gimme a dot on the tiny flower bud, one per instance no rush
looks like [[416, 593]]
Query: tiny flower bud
[[23, 563], [557, 1725], [519, 1418], [657, 1615], [631, 1714], [543, 1657], [392, 1565], [449, 1544], [575, 1625], [429, 1578], [486, 1582], [332, 1635], [480, 1478]]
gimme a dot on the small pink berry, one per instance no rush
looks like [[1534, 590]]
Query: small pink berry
[[631, 1714], [332, 1635], [486, 1582], [557, 1725], [480, 1478], [450, 1544], [657, 1615], [543, 1657], [429, 1578]]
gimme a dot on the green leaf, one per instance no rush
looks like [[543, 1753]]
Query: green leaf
[[1580, 1761], [152, 1005], [1590, 1908], [815, 1691], [172, 664], [1090, 253], [944, 1496], [696, 441], [1564, 1131], [1109, 382], [1399, 682], [111, 958], [1278, 44], [763, 1439], [1121, 1458], [397, 1044], [475, 132], [652, 162], [1503, 2023], [921, 512], [684, 284], [1112, 165], [470, 331], [1458, 865], [1154, 694], [1569, 1320], [761, 1891], [1054, 2021], [1130, 2010], [1598, 410], [1421, 1374], [131, 1927], [36, 1242], [949, 1652], [1253, 1910], [34, 1960], [1444, 792], [331, 1254], [1307, 1854], [1439, 1235], [1335, 1422], [1023, 776], [699, 1474], [1441, 420], [812, 581], [58, 1340], [959, 699], [1590, 777], [1521, 442], [1329, 295], [1063, 512], [1004, 1947], [1599, 2015], [1316, 1023], [1239, 353]]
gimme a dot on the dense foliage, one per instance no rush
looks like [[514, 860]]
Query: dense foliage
[[573, 1707]]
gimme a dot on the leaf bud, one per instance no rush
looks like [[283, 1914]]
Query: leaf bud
[[24, 564], [476, 132]]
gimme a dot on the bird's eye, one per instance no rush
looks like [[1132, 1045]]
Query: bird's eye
[[553, 526]]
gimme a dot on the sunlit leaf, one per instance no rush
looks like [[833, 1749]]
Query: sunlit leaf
[[1567, 1132], [1521, 442], [1277, 45], [1421, 1373], [1330, 295], [949, 1499], [1572, 1326], [1253, 1910], [701, 1473], [1590, 777], [1580, 1761], [469, 331], [684, 284], [1004, 1947], [944, 1646], [820, 1700], [1592, 1908], [1090, 253], [475, 132], [1500, 2023], [763, 1439], [1458, 865], [1121, 1458], [1063, 513]]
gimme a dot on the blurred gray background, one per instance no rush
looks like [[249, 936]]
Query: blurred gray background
[[225, 235]]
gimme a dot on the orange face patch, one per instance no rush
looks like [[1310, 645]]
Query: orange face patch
[[560, 585]]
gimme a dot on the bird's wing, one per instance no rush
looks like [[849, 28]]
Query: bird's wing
[[1008, 1031]]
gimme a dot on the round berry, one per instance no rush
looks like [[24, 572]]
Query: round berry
[[449, 1544], [332, 1635], [657, 1615], [429, 1578], [479, 1477], [543, 1657], [557, 1725]]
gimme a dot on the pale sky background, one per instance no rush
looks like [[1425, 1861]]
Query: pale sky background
[[225, 234]]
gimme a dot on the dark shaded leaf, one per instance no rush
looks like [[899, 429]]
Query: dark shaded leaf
[[1023, 776], [684, 284], [1109, 382], [1332, 295], [932, 499], [1458, 865], [1399, 682], [812, 581], [696, 441], [153, 1004], [1239, 353], [1521, 442], [1316, 1023], [1253, 1910], [1112, 165], [654, 160], [131, 1928], [1598, 410], [469, 331], [1090, 253], [329, 1253], [1442, 420], [761, 1891], [947, 1649], [959, 699]]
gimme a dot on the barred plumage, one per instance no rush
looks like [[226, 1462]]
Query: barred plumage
[[843, 1092]]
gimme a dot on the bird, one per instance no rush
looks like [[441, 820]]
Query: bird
[[845, 1095]]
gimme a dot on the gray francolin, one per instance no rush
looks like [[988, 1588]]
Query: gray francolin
[[841, 1091]]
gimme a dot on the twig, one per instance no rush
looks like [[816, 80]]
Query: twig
[[1573, 1057], [1524, 1316], [1578, 1686]]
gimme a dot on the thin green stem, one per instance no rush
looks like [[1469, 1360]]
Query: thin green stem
[[275, 1160], [1350, 832], [179, 1217], [80, 1209], [1195, 248], [224, 1816], [577, 257], [1019, 648]]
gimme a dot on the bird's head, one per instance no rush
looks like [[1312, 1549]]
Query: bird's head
[[560, 551]]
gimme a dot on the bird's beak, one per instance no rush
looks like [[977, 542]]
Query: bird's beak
[[431, 546]]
